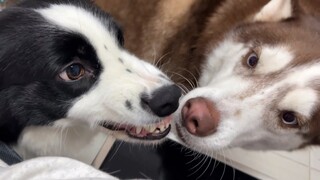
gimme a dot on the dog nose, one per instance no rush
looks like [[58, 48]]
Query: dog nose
[[163, 101], [200, 117]]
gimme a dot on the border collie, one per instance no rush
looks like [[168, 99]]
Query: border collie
[[255, 64], [62, 64]]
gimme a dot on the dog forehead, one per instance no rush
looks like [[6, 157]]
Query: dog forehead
[[298, 36], [94, 29], [301, 100]]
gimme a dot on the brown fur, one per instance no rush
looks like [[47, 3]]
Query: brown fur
[[178, 34], [164, 31], [9, 3]]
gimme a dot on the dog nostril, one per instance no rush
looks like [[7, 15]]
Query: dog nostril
[[200, 117], [188, 104], [163, 101], [195, 122]]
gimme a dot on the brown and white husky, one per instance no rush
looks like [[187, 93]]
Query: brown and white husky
[[253, 66]]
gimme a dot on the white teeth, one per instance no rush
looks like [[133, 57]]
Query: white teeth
[[151, 128], [157, 131], [138, 130], [166, 125], [162, 127]]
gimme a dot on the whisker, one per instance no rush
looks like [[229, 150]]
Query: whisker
[[224, 167], [215, 162], [162, 58], [183, 77], [210, 160], [154, 56], [114, 172], [116, 150], [198, 155], [202, 162], [232, 166], [145, 176], [183, 88], [164, 64], [193, 76]]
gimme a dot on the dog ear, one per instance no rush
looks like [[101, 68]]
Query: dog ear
[[275, 10]]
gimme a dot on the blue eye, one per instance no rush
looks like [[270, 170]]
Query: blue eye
[[252, 60], [73, 72]]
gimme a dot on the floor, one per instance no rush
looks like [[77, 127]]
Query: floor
[[170, 161]]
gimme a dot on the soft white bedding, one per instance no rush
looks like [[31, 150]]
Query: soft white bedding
[[51, 168]]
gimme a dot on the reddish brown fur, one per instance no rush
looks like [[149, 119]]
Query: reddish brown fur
[[164, 30], [180, 33]]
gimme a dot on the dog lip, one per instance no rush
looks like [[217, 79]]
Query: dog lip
[[113, 127], [179, 133]]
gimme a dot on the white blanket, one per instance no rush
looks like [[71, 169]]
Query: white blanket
[[51, 168]]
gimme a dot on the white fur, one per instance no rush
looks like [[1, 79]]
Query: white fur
[[302, 101], [105, 102], [249, 107], [273, 59], [275, 10]]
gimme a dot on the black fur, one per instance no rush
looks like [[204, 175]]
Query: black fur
[[33, 53]]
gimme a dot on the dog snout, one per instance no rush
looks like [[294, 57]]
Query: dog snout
[[163, 101], [200, 117]]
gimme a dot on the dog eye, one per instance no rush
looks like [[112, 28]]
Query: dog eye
[[252, 60], [73, 72], [289, 118]]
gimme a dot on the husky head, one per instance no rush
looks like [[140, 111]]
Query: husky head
[[259, 85]]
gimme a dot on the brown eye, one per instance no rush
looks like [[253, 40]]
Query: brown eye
[[289, 118], [252, 60], [73, 72]]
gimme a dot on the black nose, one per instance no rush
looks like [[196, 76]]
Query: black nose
[[163, 101]]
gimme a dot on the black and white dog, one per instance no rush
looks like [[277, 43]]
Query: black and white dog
[[62, 64]]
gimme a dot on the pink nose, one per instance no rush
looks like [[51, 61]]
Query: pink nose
[[200, 117]]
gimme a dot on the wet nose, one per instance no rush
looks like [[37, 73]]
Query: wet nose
[[200, 117], [163, 101]]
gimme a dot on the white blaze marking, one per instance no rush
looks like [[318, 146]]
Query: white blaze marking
[[302, 101], [273, 59]]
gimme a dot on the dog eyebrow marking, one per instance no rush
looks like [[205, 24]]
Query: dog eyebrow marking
[[120, 60], [302, 100], [129, 105], [273, 59], [128, 70]]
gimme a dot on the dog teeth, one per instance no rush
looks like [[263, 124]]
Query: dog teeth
[[162, 127], [166, 125], [138, 130], [157, 131], [151, 128]]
